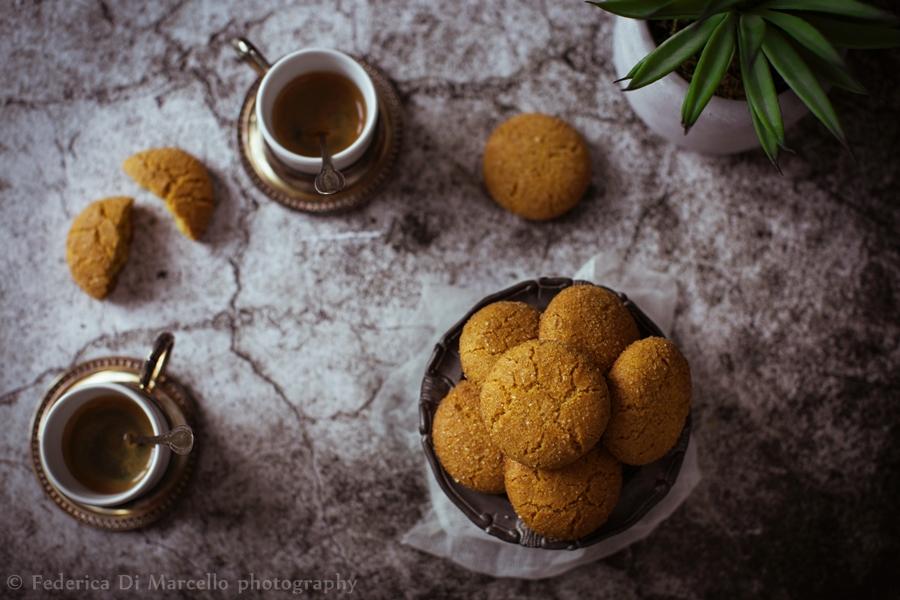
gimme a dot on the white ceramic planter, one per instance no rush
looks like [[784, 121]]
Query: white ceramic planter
[[723, 128]]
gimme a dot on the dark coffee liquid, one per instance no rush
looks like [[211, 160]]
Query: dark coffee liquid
[[314, 104], [95, 449]]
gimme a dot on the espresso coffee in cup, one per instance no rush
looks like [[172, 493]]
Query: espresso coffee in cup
[[317, 104], [97, 444], [308, 93]]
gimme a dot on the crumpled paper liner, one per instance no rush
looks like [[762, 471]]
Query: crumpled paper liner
[[444, 530]]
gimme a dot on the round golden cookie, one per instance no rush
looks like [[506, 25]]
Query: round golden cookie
[[650, 395], [97, 244], [544, 405], [179, 179], [536, 166], [566, 503], [462, 444], [492, 331], [592, 320]]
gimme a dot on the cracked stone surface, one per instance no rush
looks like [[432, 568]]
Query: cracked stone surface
[[287, 325]]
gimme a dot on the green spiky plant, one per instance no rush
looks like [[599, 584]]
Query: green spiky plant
[[801, 39]]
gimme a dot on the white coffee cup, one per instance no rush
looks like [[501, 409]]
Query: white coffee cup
[[53, 425], [288, 68]]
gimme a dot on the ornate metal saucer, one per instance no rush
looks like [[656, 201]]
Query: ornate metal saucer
[[178, 407], [642, 488], [295, 190]]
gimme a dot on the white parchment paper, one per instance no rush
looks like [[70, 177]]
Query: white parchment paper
[[444, 530]]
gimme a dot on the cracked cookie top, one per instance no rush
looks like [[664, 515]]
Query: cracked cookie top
[[462, 444], [592, 320], [97, 244], [650, 397], [565, 503], [179, 179], [492, 331], [536, 166], [544, 404]]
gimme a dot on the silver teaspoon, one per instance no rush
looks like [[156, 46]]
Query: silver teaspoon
[[329, 180], [180, 440]]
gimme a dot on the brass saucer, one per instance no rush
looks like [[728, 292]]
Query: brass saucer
[[295, 190], [178, 407]]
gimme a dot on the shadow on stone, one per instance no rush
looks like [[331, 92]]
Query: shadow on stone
[[146, 275]]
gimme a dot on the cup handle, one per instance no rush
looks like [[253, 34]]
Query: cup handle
[[248, 52], [155, 364]]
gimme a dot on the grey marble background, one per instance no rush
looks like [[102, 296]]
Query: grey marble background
[[287, 324]]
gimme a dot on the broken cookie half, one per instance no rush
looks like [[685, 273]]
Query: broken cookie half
[[179, 179], [98, 243]]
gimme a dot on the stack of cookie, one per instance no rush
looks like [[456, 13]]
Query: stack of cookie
[[553, 404]]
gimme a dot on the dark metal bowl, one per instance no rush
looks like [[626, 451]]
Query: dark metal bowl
[[642, 487]]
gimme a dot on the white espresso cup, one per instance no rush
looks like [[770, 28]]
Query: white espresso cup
[[53, 424], [288, 68]]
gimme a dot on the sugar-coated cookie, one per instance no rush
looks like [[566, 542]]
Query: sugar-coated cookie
[[544, 405], [566, 503], [536, 166], [462, 444], [492, 331], [592, 320], [650, 397]]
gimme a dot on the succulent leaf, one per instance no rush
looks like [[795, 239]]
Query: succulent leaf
[[829, 73], [759, 87], [806, 35], [709, 72], [846, 8], [685, 9], [634, 9], [855, 35], [800, 78], [718, 6], [673, 52], [751, 30], [633, 70], [654, 9], [766, 138]]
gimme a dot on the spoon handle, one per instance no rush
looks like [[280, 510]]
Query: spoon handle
[[329, 180], [326, 155], [180, 440]]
